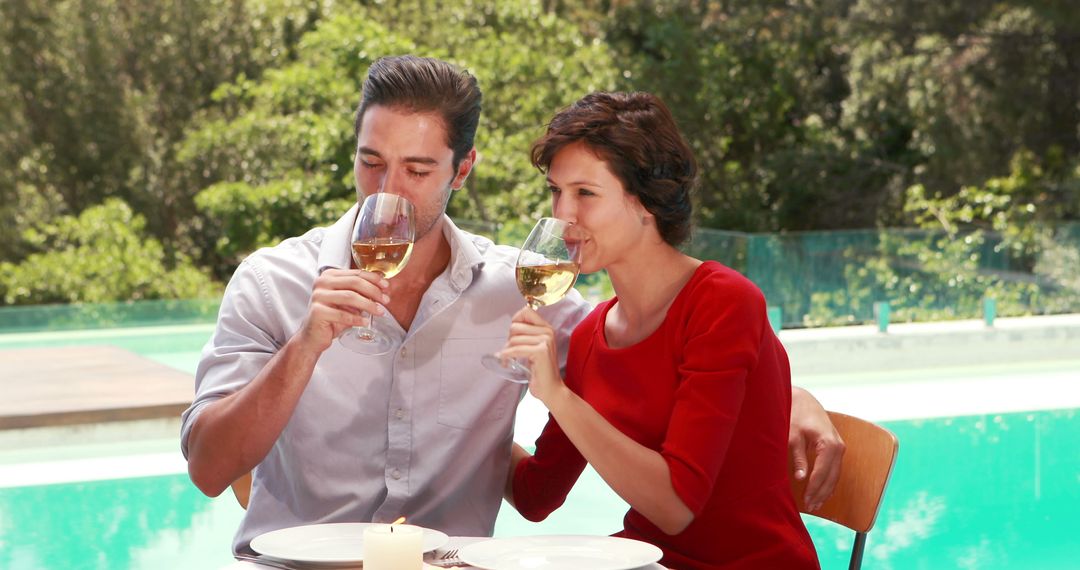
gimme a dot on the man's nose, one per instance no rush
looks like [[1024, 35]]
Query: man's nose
[[391, 181]]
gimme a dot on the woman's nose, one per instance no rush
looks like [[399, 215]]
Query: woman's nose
[[564, 209]]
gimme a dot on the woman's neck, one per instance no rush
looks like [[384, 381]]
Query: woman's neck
[[648, 280]]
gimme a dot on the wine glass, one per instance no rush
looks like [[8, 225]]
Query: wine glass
[[547, 267], [382, 240]]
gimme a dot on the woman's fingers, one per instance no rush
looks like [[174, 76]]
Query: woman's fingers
[[530, 329], [540, 341], [527, 315]]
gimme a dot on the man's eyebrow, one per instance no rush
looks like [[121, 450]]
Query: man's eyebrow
[[414, 159]]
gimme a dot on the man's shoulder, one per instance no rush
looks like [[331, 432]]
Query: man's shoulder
[[297, 246], [491, 251], [297, 253]]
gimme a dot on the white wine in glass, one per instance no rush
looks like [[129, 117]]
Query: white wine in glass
[[382, 241], [382, 255], [546, 283], [547, 268]]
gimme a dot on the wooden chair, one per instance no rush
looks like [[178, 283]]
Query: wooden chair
[[242, 489], [868, 461]]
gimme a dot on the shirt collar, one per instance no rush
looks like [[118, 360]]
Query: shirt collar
[[334, 253], [465, 258]]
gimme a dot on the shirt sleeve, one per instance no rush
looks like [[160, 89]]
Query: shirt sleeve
[[722, 342], [244, 340], [541, 482]]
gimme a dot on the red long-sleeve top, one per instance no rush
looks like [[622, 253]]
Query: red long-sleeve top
[[710, 390]]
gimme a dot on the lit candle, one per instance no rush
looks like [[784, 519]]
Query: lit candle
[[393, 547]]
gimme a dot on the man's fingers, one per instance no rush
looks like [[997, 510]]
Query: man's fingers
[[340, 317], [824, 474], [370, 285], [798, 457], [347, 300]]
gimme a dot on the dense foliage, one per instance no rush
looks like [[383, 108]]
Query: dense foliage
[[227, 125]]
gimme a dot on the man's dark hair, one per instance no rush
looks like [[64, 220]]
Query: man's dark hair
[[426, 85]]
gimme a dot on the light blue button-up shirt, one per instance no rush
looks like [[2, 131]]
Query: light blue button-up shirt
[[423, 432]]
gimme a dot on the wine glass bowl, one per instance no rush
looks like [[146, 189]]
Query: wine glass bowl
[[546, 269]]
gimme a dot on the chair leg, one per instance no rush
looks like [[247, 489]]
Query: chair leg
[[857, 551]]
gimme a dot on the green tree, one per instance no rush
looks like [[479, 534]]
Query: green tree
[[98, 92], [274, 156], [104, 254]]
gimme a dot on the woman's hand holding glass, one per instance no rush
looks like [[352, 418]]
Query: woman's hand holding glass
[[532, 340]]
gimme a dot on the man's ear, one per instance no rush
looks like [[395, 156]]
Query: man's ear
[[463, 170]]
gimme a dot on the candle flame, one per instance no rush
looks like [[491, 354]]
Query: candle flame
[[399, 521]]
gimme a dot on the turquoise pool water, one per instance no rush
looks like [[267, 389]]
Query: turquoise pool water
[[989, 492]]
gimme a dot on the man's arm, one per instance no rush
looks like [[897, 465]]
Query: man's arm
[[232, 435], [811, 430]]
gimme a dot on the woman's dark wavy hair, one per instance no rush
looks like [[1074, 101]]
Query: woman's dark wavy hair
[[635, 134]]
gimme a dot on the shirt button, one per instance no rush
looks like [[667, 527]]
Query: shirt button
[[404, 351], [399, 413], [396, 474]]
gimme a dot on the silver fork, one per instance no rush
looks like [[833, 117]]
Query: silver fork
[[447, 559]]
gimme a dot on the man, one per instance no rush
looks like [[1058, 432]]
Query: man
[[424, 432]]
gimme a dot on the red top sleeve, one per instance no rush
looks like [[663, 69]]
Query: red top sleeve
[[721, 340]]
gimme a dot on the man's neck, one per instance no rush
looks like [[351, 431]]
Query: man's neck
[[430, 257]]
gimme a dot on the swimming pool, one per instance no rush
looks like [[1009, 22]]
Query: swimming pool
[[984, 491]]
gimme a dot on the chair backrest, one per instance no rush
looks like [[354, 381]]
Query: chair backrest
[[242, 489], [868, 461]]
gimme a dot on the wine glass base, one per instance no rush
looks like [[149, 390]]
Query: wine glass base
[[368, 341], [512, 371]]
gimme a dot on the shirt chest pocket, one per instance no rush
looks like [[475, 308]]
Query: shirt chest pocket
[[470, 395]]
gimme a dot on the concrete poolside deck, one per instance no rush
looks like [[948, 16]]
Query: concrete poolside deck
[[70, 385], [913, 370]]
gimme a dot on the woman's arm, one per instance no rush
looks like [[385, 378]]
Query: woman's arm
[[636, 473], [517, 454]]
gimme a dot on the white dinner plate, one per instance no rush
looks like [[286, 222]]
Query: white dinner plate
[[566, 552], [327, 544]]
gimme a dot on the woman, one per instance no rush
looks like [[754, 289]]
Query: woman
[[677, 391]]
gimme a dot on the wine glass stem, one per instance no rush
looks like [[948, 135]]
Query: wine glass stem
[[370, 334], [534, 304]]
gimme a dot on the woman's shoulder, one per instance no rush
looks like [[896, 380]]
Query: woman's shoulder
[[588, 325], [718, 283]]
